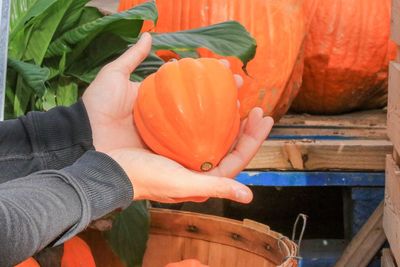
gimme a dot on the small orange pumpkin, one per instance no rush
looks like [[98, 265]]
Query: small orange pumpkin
[[186, 263], [77, 253], [30, 262], [187, 111]]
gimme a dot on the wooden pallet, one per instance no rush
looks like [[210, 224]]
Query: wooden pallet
[[351, 142], [391, 218]]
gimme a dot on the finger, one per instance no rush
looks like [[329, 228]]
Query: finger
[[218, 187], [256, 131], [129, 60], [191, 199], [225, 62], [238, 80]]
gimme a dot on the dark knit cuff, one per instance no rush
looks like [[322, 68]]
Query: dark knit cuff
[[102, 186], [60, 129]]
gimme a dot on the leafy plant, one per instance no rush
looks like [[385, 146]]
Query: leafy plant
[[56, 48]]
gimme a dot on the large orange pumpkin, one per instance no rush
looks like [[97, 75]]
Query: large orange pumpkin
[[30, 262], [187, 111], [279, 27], [346, 58], [77, 254]]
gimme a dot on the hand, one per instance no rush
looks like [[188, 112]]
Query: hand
[[160, 179], [109, 102]]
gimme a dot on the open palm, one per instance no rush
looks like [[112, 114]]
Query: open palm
[[110, 98]]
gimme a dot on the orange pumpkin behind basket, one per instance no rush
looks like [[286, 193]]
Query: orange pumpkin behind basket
[[77, 253], [187, 111], [30, 262]]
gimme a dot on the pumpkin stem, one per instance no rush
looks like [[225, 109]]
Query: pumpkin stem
[[206, 166]]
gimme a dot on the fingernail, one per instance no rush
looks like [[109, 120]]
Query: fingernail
[[242, 195]]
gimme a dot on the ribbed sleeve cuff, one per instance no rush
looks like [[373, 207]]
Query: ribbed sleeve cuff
[[60, 129], [102, 186]]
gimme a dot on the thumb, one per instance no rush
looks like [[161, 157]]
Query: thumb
[[220, 187], [132, 58]]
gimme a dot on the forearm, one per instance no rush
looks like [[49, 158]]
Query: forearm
[[52, 206], [43, 140]]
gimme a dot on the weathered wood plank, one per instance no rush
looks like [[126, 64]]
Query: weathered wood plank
[[393, 120], [279, 132], [322, 155], [366, 243], [363, 119], [387, 259], [395, 21], [391, 219]]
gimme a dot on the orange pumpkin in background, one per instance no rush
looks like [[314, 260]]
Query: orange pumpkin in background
[[30, 262], [77, 253], [187, 111], [279, 27], [346, 58]]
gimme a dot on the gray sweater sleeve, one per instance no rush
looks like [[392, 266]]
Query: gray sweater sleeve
[[44, 140], [49, 207]]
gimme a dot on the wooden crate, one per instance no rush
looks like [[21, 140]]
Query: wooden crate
[[395, 27], [387, 259], [391, 218], [394, 104], [352, 142]]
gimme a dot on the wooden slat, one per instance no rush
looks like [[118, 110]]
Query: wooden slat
[[394, 104], [279, 132], [222, 231], [322, 155], [391, 220], [366, 243], [363, 119], [395, 25], [387, 259]]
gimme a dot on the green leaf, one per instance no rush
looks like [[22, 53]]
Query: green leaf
[[22, 97], [71, 17], [34, 76], [150, 65], [226, 39], [67, 94], [100, 51], [112, 23], [24, 10], [48, 100], [44, 28], [22, 13], [129, 234]]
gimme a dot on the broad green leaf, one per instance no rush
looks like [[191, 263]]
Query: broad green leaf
[[89, 14], [21, 15], [66, 94], [129, 234], [150, 65], [21, 98], [48, 100], [71, 17], [65, 42], [226, 39], [34, 76], [24, 10], [44, 28], [100, 51], [87, 76]]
